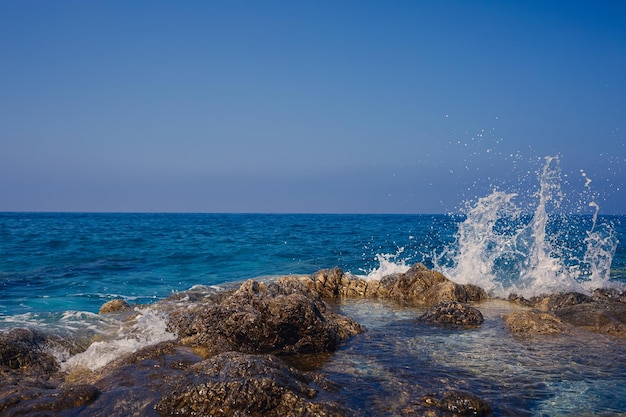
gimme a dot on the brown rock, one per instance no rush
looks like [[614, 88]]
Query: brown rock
[[114, 306], [452, 313], [282, 317], [240, 384], [534, 322], [460, 403]]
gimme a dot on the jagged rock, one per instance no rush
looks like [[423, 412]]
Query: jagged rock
[[238, 384], [452, 313], [25, 350], [280, 317], [603, 312], [459, 403], [419, 286], [534, 322], [114, 306], [554, 302]]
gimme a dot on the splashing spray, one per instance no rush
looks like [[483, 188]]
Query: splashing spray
[[505, 251]]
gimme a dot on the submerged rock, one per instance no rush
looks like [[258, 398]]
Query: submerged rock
[[459, 403], [238, 384], [453, 313], [282, 317]]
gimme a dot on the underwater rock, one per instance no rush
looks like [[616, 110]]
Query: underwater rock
[[459, 403], [534, 322], [114, 306], [419, 286], [453, 313], [281, 317], [245, 385]]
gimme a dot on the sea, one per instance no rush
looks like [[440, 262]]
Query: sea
[[57, 269]]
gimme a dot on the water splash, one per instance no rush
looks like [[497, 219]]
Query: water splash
[[148, 327], [504, 250], [388, 264]]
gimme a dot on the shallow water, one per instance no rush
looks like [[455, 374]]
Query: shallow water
[[398, 360]]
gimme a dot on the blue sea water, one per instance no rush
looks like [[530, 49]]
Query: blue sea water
[[54, 262], [60, 261]]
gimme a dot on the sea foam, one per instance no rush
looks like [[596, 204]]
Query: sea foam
[[147, 328]]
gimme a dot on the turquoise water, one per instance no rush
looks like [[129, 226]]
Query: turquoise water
[[58, 262], [57, 269]]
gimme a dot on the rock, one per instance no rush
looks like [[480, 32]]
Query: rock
[[282, 317], [419, 286], [25, 350], [534, 322], [238, 384], [453, 313], [603, 312], [608, 318], [554, 302], [459, 403], [114, 306], [28, 399]]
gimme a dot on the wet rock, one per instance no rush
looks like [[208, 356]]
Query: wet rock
[[555, 302], [608, 318], [281, 318], [419, 286], [238, 384], [452, 313], [26, 350], [133, 384], [31, 396], [114, 306], [459, 403], [534, 322], [603, 312]]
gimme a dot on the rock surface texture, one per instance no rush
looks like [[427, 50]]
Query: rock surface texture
[[248, 351]]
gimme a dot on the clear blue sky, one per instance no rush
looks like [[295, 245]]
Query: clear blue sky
[[320, 106]]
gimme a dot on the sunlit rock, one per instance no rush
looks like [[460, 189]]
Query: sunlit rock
[[534, 322], [419, 286], [281, 317], [114, 306]]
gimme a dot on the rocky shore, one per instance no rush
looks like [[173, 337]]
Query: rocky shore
[[254, 350]]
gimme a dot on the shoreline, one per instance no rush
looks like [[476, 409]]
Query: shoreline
[[319, 338]]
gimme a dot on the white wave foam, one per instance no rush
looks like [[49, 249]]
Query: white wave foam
[[149, 327], [388, 264]]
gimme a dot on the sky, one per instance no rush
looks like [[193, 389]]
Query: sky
[[308, 106]]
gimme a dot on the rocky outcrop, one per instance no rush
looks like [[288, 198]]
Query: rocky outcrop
[[602, 312], [419, 286], [534, 322], [235, 383], [453, 314], [114, 306], [31, 381], [282, 317]]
